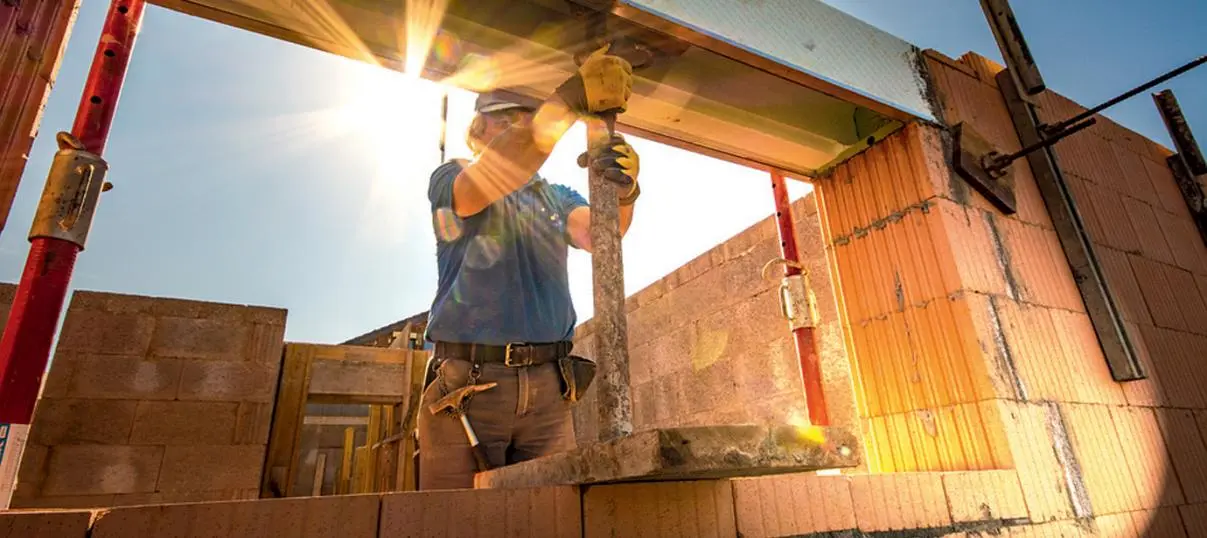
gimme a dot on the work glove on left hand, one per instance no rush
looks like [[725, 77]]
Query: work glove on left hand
[[617, 161], [603, 83]]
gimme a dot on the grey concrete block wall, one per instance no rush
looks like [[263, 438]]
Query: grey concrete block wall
[[709, 345], [152, 400]]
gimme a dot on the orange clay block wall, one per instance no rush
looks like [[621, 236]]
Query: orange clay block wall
[[912, 263], [709, 345], [1131, 455]]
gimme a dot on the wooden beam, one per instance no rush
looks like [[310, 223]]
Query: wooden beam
[[282, 451], [320, 471], [341, 381]]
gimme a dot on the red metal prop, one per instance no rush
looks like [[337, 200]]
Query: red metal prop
[[806, 345]]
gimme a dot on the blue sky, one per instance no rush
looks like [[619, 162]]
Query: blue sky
[[254, 171]]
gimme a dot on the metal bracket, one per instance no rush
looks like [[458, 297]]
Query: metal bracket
[[970, 154], [988, 170], [1121, 357], [798, 304], [73, 188]]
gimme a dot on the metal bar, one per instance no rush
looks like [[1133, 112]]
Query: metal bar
[[806, 343], [1099, 303], [1014, 48], [38, 302], [1179, 131], [997, 163], [1064, 124], [443, 143], [1192, 192]]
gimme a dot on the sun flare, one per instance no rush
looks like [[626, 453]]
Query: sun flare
[[394, 119]]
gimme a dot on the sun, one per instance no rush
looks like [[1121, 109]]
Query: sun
[[389, 108], [392, 119]]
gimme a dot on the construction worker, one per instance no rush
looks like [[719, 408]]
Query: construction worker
[[502, 312]]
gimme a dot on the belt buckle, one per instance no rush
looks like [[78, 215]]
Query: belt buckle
[[507, 356]]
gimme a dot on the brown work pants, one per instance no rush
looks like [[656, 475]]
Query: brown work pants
[[522, 418]]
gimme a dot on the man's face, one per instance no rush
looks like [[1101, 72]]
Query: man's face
[[497, 122]]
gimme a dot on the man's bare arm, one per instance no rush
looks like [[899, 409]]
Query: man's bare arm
[[511, 159], [579, 225]]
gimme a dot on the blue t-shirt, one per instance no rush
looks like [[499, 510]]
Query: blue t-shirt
[[502, 271]]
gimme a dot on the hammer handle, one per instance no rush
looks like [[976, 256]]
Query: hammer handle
[[479, 453]]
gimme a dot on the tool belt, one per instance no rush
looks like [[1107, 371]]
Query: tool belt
[[510, 355], [576, 372]]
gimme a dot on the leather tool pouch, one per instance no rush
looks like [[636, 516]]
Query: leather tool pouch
[[577, 374]]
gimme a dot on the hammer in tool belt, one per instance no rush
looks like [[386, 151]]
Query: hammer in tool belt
[[454, 403]]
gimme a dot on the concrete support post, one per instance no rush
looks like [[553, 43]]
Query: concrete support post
[[607, 276]]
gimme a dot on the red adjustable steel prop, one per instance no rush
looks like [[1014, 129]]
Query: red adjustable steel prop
[[61, 227], [806, 346]]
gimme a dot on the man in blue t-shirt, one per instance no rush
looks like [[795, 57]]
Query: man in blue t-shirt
[[502, 312]]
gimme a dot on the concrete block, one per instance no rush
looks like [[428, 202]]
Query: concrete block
[[175, 497], [200, 339], [44, 524], [253, 423], [345, 516], [184, 423], [984, 496], [533, 513], [101, 469], [667, 509], [685, 453], [66, 502], [790, 505], [266, 343], [33, 468], [124, 377], [227, 381], [198, 468], [68, 422], [93, 331]]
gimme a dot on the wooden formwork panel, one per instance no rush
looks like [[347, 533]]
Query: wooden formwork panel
[[388, 379]]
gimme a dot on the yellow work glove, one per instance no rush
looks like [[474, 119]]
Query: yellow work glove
[[603, 83], [617, 162]]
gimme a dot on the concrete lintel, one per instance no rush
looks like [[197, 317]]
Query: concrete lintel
[[685, 453]]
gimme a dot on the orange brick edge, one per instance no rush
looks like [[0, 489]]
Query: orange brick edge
[[799, 504]]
